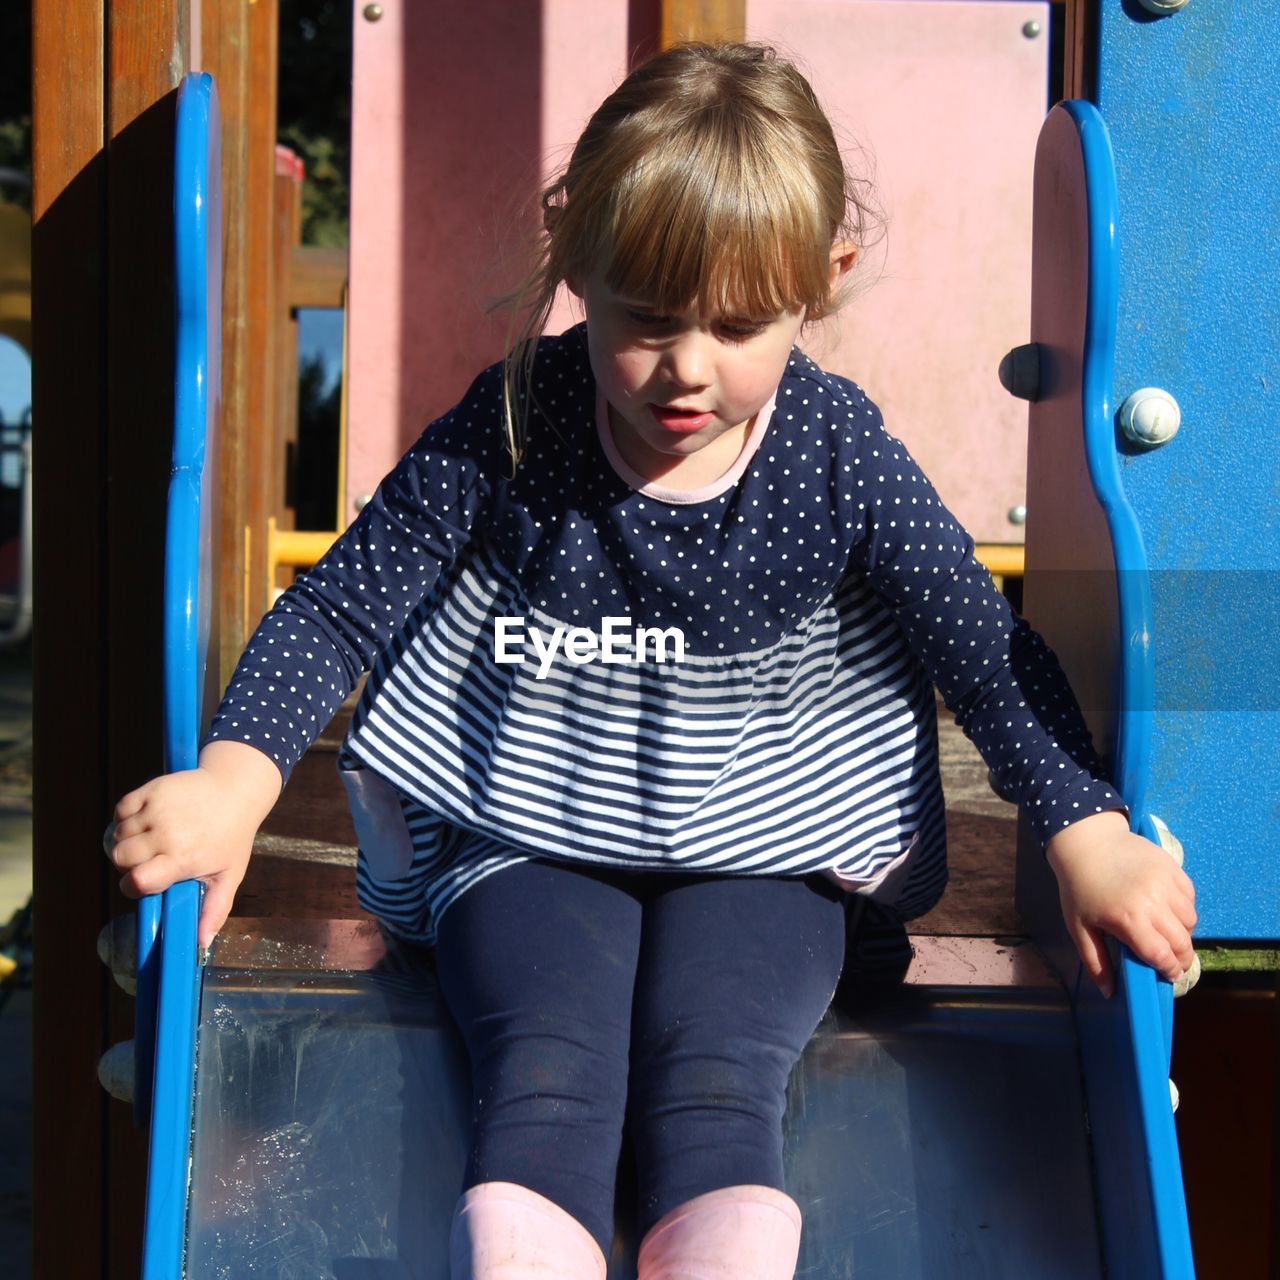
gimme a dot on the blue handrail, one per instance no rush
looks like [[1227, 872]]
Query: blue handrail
[[168, 964], [1144, 1001]]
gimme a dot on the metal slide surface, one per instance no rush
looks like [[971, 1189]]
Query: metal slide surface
[[940, 1135]]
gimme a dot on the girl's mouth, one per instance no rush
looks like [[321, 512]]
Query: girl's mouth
[[684, 421]]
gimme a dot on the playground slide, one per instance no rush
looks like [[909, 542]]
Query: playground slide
[[308, 1116], [940, 1135]]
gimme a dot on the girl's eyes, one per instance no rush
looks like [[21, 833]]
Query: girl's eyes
[[648, 319], [738, 330], [733, 330]]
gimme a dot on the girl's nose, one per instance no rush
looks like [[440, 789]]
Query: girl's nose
[[687, 362]]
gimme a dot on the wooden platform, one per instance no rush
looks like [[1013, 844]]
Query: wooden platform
[[304, 857]]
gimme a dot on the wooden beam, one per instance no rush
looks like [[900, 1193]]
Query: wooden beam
[[286, 220], [260, 304], [225, 55], [1080, 50], [68, 395], [702, 20], [103, 388], [139, 336], [317, 277]]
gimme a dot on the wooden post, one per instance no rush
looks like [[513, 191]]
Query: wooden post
[[140, 325], [702, 20], [287, 229], [1080, 50], [225, 55], [317, 277], [257, 430], [104, 82], [240, 50], [68, 389]]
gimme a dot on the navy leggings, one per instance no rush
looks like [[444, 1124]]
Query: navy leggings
[[678, 1003]]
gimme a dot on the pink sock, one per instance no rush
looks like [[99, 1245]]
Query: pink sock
[[736, 1233], [503, 1231]]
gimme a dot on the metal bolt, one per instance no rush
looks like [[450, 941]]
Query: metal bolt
[[1188, 979], [1031, 29], [1168, 841], [1162, 6], [363, 501], [1150, 417], [1018, 515], [372, 12]]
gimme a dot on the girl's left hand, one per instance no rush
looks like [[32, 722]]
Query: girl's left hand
[[1111, 881]]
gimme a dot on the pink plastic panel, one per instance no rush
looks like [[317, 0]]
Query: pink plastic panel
[[459, 113], [947, 97]]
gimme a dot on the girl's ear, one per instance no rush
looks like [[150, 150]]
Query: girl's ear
[[843, 255]]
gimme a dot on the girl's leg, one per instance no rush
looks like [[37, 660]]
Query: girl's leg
[[734, 975], [537, 964]]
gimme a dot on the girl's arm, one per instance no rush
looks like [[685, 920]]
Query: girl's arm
[[1011, 698], [306, 656], [328, 628]]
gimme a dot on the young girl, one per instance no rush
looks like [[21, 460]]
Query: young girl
[[651, 618]]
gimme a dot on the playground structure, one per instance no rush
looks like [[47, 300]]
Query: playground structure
[[1241, 918]]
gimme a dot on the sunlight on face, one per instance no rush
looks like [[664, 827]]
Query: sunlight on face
[[678, 383]]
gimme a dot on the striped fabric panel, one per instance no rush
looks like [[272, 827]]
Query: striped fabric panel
[[819, 753]]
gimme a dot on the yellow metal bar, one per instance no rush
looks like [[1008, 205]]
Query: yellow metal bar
[[298, 549], [1005, 561]]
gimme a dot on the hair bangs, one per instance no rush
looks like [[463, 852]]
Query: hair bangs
[[713, 227]]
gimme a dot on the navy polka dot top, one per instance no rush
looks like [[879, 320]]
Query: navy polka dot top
[[572, 662]]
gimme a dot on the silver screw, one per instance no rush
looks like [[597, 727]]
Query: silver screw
[[372, 12], [362, 501], [1029, 29], [1018, 515]]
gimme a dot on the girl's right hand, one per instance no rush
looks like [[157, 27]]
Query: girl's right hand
[[197, 824]]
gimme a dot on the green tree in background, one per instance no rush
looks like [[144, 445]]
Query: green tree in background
[[314, 106], [314, 112], [314, 120], [15, 101]]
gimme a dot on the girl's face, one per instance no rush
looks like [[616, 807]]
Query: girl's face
[[677, 383]]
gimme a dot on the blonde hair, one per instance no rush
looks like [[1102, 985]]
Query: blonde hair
[[709, 180]]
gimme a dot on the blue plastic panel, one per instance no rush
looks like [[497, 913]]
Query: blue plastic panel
[[1126, 1043], [1189, 101], [1088, 591]]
